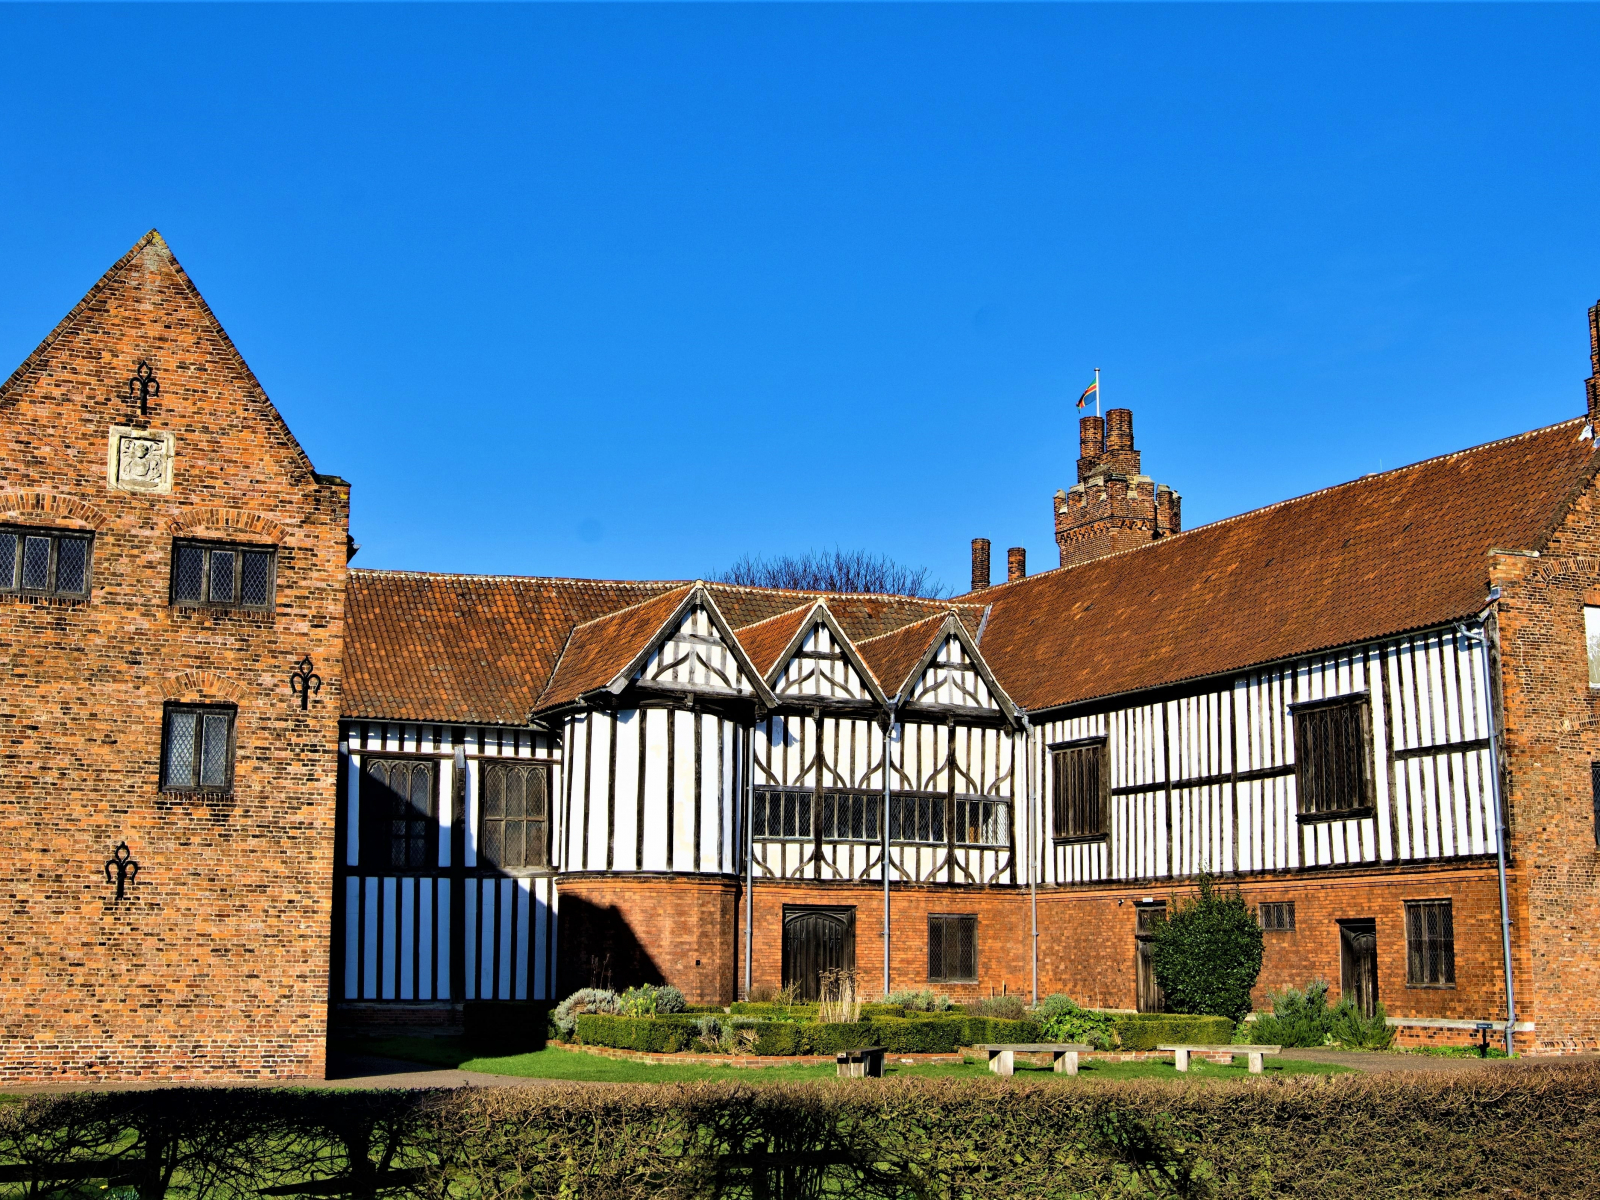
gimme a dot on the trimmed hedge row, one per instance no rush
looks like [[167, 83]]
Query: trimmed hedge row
[[1146, 1031], [901, 1035], [1508, 1130]]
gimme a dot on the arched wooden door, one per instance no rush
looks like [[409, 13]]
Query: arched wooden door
[[816, 940], [1358, 963]]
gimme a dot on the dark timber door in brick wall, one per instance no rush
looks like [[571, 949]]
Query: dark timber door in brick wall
[[1148, 994], [1358, 963], [816, 940]]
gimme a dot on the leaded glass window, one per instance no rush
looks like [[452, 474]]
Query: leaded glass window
[[197, 749], [952, 948], [223, 576], [398, 815], [44, 562], [514, 825]]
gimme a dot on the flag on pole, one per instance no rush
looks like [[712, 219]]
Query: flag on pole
[[1092, 390]]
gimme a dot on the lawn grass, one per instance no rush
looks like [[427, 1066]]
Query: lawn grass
[[556, 1062]]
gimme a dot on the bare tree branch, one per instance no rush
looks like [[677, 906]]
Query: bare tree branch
[[834, 571]]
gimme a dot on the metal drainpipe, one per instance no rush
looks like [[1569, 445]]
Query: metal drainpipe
[[749, 855], [1033, 870], [888, 785], [1481, 637]]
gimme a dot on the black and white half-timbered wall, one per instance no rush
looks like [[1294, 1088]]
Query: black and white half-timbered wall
[[733, 788]]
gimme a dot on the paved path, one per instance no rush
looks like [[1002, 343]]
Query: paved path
[[344, 1071]]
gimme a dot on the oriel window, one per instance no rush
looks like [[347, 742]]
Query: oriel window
[[952, 948], [44, 562], [1078, 790], [514, 828], [399, 825], [197, 748], [1591, 637], [222, 575], [1332, 758]]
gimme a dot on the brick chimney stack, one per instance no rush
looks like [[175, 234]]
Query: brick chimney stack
[[1594, 367], [1113, 506], [1016, 564], [980, 564]]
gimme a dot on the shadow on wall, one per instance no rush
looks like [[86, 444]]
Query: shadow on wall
[[598, 948]]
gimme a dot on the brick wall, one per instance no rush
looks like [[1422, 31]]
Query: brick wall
[[1552, 723], [621, 930], [216, 964]]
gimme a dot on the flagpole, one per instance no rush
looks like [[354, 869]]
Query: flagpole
[[1097, 391]]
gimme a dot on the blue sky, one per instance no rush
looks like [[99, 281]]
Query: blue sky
[[629, 292]]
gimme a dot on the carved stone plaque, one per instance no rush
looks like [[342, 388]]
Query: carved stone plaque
[[139, 460]]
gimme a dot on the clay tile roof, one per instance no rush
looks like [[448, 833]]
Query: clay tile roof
[[765, 640], [893, 656], [599, 649], [470, 648], [1378, 556]]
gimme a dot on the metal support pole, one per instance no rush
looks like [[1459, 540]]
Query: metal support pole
[[1033, 858], [888, 787], [749, 856]]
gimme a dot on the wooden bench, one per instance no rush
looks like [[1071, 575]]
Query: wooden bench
[[854, 1064], [1180, 1054], [1003, 1056]]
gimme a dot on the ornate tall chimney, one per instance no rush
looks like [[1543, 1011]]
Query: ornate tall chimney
[[980, 564], [1594, 367], [1112, 506]]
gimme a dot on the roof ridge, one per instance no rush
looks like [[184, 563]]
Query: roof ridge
[[818, 593], [617, 612], [1276, 504], [788, 612], [668, 584]]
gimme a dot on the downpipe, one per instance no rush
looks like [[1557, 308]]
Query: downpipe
[[1480, 638]]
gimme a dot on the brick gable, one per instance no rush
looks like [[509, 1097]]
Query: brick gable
[[215, 964]]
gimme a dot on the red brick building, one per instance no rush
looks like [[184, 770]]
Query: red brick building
[[168, 555], [509, 787]]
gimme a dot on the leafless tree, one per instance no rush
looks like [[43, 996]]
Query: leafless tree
[[834, 571]]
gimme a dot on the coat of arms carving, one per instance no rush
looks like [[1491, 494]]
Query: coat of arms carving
[[139, 460]]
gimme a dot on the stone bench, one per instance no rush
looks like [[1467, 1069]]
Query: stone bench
[[854, 1064], [1180, 1054], [1003, 1056]]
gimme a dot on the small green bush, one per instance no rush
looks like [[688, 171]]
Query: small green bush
[[653, 1035], [1303, 1018], [923, 1001], [1062, 1020], [584, 1000], [1207, 951], [774, 1011]]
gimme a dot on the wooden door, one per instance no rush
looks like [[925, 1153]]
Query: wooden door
[[1148, 994], [1358, 963], [816, 940]]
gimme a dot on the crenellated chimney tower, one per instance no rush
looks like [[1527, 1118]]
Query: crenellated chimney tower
[[1113, 506]]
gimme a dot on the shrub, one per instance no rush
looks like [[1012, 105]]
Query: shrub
[[773, 1011], [1303, 1018], [1354, 1029], [647, 1000], [923, 1001], [670, 1000], [715, 1033], [1006, 1008], [1062, 1020], [584, 1000], [1207, 951]]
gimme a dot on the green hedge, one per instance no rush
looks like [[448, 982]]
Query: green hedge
[[901, 1035], [1146, 1031], [1508, 1130]]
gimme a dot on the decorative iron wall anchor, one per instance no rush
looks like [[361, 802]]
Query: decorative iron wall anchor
[[303, 681], [126, 868], [143, 387]]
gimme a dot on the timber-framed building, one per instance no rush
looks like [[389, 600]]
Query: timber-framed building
[[255, 792]]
